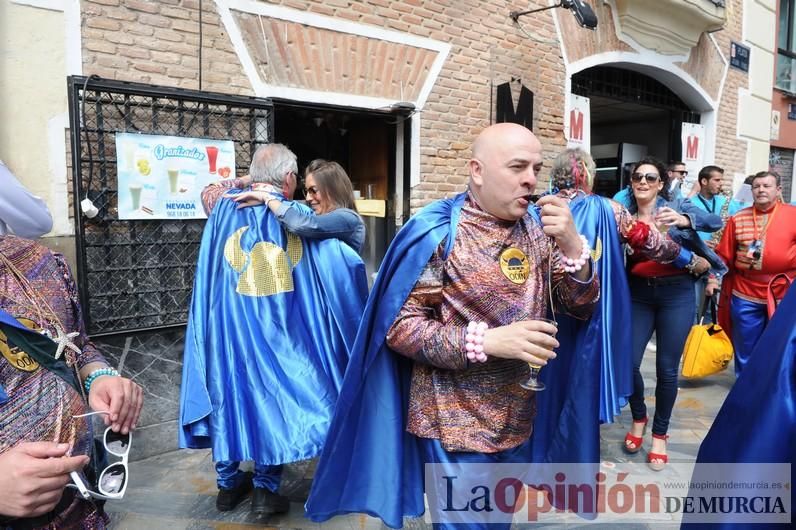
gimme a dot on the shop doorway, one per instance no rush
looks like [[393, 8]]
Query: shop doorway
[[365, 143], [632, 115]]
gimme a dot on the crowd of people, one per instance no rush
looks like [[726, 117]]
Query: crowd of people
[[476, 294]]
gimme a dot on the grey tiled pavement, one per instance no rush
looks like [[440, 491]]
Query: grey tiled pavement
[[176, 491]]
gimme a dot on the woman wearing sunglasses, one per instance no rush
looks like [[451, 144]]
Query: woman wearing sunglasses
[[330, 195], [609, 226], [662, 300]]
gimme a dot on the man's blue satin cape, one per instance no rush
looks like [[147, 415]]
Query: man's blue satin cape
[[261, 375], [602, 342], [757, 422], [370, 464]]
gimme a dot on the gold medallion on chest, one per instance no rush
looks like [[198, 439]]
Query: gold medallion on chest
[[514, 265], [15, 356]]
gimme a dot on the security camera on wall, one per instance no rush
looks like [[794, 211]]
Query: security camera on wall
[[583, 12]]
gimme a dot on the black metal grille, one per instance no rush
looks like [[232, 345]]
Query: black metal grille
[[136, 275], [629, 86]]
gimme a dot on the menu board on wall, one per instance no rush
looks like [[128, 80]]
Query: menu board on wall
[[161, 177]]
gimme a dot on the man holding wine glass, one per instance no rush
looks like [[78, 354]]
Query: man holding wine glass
[[463, 295]]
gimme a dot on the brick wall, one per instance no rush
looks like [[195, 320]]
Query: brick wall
[[157, 42]]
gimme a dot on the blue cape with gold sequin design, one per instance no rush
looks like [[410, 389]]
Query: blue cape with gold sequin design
[[370, 463], [271, 324]]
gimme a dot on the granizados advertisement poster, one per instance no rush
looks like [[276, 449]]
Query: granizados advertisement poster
[[162, 177]]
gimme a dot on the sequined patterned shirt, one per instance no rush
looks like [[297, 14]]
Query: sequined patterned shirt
[[40, 404], [212, 193], [479, 406]]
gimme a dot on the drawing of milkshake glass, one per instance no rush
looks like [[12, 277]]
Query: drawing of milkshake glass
[[212, 154], [129, 155], [135, 195], [174, 177]]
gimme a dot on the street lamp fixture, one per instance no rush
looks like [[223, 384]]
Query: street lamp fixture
[[583, 12]]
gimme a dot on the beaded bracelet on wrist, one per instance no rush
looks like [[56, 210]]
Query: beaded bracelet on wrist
[[574, 265], [98, 373], [474, 341]]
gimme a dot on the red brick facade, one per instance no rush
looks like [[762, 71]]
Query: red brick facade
[[157, 42]]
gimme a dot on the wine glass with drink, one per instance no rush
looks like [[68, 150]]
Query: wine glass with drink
[[533, 382]]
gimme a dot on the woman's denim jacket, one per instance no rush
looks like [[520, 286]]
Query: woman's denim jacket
[[688, 238]]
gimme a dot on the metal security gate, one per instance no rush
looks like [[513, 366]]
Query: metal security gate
[[138, 275], [634, 87]]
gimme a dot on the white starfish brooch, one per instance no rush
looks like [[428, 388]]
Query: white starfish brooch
[[64, 341]]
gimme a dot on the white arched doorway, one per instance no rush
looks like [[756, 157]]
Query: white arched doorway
[[668, 94]]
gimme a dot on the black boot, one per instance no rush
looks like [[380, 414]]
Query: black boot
[[265, 502], [228, 499]]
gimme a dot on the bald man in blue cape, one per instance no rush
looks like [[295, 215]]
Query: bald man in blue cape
[[371, 463]]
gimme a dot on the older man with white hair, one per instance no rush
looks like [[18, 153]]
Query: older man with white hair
[[272, 319]]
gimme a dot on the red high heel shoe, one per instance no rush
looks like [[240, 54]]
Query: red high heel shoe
[[658, 461], [633, 443]]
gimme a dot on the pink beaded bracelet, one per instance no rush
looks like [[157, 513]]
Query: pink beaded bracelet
[[474, 344], [574, 265]]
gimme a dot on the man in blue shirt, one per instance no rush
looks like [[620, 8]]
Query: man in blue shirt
[[712, 200]]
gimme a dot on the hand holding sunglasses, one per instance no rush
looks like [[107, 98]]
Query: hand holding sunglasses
[[112, 481]]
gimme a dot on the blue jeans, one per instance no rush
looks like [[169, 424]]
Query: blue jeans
[[665, 306], [749, 319], [229, 477]]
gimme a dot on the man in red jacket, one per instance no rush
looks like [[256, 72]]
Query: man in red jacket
[[758, 243]]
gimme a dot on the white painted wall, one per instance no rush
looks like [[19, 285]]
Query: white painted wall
[[754, 102], [34, 114]]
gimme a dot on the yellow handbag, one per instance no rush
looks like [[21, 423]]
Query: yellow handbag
[[708, 349]]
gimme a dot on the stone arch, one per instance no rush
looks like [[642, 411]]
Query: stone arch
[[664, 71]]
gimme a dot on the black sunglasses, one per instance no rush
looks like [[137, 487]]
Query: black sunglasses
[[652, 178], [683, 172]]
